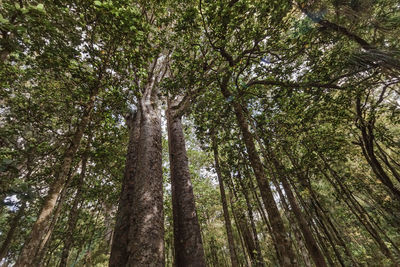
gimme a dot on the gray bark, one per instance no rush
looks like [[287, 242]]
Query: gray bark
[[187, 236]]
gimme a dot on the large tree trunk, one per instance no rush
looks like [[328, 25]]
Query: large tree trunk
[[187, 235], [286, 255], [139, 231], [146, 233], [228, 226], [44, 219], [119, 248]]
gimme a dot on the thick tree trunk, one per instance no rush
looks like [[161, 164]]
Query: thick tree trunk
[[228, 226], [187, 235], [119, 248], [139, 232], [146, 233], [42, 223], [286, 255]]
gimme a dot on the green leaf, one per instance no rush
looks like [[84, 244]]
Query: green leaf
[[40, 7], [97, 3], [3, 20]]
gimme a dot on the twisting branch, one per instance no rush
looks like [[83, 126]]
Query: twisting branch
[[292, 85]]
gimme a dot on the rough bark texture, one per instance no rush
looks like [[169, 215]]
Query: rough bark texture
[[138, 238], [119, 248], [286, 255], [146, 233], [187, 236], [42, 223], [228, 226]]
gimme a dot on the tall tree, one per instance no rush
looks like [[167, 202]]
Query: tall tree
[[187, 237]]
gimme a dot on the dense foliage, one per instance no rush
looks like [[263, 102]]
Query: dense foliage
[[291, 118]]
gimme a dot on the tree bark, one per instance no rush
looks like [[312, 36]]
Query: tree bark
[[138, 238], [74, 212], [286, 255], [13, 228], [42, 223], [311, 243], [119, 247], [45, 242], [187, 235], [146, 231], [228, 226], [259, 259], [367, 147]]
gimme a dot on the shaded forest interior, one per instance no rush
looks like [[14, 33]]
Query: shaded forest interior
[[199, 133]]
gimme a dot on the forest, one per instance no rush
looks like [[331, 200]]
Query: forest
[[199, 133]]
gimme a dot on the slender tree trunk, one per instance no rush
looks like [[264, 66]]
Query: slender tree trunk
[[13, 228], [259, 259], [292, 221], [42, 223], [187, 235], [244, 232], [45, 242], [74, 212], [286, 255], [324, 247], [238, 226], [358, 211], [228, 226], [367, 146], [262, 213], [311, 243], [247, 234]]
